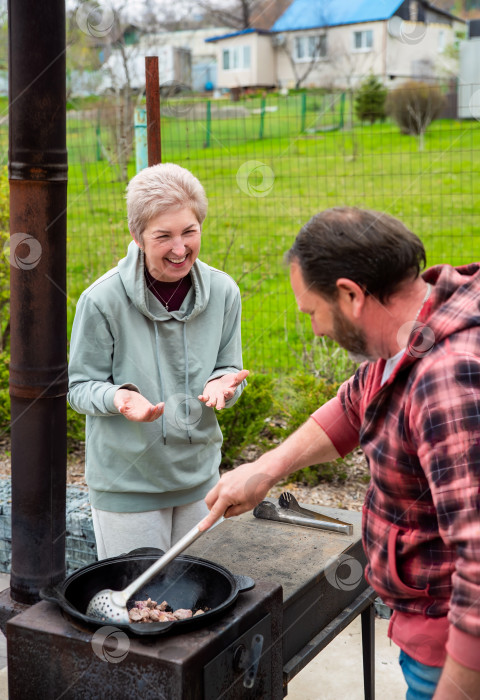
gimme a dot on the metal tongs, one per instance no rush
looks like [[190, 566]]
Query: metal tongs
[[290, 511]]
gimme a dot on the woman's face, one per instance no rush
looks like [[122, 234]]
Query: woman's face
[[171, 242]]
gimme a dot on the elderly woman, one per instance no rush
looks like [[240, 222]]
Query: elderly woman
[[155, 348]]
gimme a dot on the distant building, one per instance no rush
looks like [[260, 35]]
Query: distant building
[[183, 57], [203, 55], [335, 43]]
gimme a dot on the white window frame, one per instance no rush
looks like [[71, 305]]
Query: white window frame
[[226, 59], [237, 57], [442, 40], [304, 47], [246, 56], [366, 40]]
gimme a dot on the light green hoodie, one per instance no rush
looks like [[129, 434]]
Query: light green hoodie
[[123, 336]]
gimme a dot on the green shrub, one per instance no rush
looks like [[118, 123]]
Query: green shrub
[[4, 263], [75, 428], [414, 105], [242, 424], [370, 100], [297, 399], [4, 303], [321, 357], [4, 394]]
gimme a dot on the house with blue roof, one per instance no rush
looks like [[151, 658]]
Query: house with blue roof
[[336, 43]]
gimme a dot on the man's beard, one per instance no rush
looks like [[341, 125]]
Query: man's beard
[[349, 337]]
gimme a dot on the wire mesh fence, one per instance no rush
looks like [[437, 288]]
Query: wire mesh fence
[[268, 163]]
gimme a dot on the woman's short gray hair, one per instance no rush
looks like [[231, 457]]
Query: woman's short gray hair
[[156, 189]]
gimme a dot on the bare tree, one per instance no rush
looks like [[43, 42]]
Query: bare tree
[[301, 71], [99, 26], [414, 105], [233, 13]]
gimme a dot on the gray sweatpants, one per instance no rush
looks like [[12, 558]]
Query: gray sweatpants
[[118, 533]]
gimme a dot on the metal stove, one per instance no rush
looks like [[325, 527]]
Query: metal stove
[[309, 586]]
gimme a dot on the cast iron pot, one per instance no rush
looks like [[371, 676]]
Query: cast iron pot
[[187, 582]]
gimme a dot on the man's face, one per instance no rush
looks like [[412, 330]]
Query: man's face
[[171, 242], [349, 336], [327, 317]]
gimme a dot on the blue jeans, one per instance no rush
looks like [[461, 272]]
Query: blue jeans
[[421, 679]]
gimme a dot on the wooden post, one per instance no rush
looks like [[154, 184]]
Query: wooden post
[[152, 90]]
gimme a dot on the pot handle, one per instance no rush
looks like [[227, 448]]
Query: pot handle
[[244, 583], [144, 552], [53, 595]]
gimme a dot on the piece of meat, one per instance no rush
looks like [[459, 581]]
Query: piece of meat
[[155, 615], [166, 616], [135, 615], [199, 612], [150, 611]]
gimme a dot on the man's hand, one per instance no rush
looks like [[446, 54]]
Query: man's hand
[[136, 407], [244, 487], [237, 491], [457, 682], [219, 390]]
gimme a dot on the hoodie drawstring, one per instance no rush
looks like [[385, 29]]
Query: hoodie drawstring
[[187, 384], [162, 395]]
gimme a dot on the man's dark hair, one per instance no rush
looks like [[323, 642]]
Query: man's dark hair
[[374, 250]]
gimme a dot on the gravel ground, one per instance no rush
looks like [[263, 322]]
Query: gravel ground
[[348, 494]]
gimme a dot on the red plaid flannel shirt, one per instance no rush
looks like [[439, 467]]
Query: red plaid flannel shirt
[[420, 433]]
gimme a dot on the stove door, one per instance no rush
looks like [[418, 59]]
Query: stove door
[[244, 669]]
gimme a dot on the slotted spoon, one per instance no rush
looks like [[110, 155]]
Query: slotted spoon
[[111, 606]]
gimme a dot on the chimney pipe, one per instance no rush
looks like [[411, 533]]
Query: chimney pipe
[[38, 369]]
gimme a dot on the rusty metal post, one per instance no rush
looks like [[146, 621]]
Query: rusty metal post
[[38, 369], [152, 91]]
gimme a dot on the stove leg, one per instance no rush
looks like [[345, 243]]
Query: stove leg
[[368, 651]]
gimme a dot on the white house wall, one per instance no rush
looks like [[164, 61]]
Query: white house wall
[[265, 61], [193, 39], [262, 69], [400, 50], [417, 53], [342, 67]]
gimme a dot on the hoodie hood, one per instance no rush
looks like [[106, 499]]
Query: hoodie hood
[[454, 304], [453, 307], [132, 274]]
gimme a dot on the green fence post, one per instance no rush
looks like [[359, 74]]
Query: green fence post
[[141, 145], [262, 117], [342, 109], [98, 137], [304, 112], [209, 124]]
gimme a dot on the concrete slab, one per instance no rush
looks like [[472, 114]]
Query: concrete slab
[[4, 583], [337, 671], [3, 684]]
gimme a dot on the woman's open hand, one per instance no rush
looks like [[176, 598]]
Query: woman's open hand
[[136, 407], [220, 390]]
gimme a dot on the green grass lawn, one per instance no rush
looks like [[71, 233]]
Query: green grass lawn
[[436, 192]]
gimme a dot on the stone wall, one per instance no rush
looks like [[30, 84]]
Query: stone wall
[[80, 540]]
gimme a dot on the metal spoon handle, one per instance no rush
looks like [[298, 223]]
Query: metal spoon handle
[[121, 597]]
